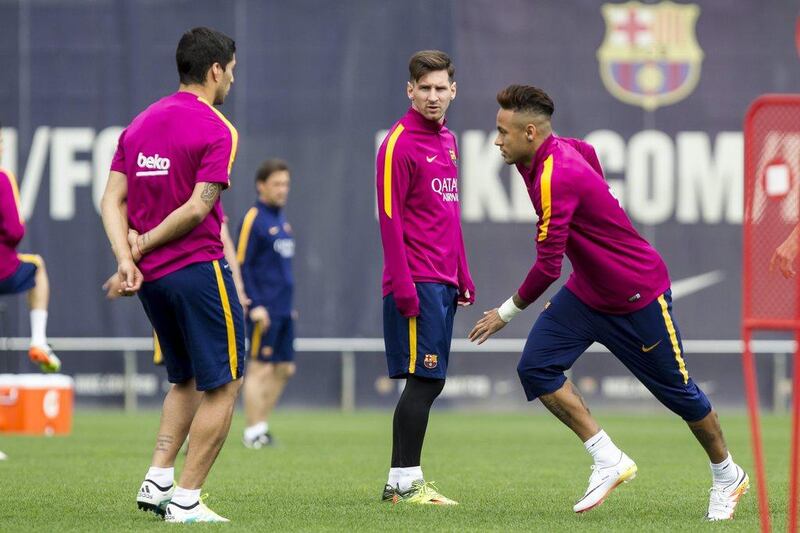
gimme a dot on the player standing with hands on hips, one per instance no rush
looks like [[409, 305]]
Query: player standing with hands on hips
[[618, 295], [425, 273]]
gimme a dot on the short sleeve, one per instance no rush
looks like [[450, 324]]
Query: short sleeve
[[217, 160], [118, 162]]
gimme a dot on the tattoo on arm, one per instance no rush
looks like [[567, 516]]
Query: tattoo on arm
[[210, 193]]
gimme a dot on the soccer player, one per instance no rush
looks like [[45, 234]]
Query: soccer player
[[163, 215], [265, 252], [425, 272], [24, 272], [618, 295]]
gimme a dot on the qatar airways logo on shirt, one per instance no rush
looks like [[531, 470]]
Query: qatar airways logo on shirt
[[447, 188], [155, 165]]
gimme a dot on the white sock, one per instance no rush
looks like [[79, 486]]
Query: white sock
[[38, 327], [185, 497], [603, 450], [724, 472], [251, 432], [403, 477], [163, 477]]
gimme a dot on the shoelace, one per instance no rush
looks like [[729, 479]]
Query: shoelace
[[718, 501]]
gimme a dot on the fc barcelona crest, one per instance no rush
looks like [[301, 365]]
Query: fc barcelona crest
[[650, 56], [431, 360], [453, 158]]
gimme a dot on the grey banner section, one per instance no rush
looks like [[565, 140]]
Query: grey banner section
[[316, 84]]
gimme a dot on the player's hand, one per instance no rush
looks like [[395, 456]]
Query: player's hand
[[244, 300], [113, 287], [261, 316], [466, 298], [407, 300], [784, 256], [134, 241], [130, 277], [487, 326]]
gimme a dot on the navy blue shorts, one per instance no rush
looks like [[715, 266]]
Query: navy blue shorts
[[276, 345], [24, 277], [420, 345], [199, 324], [647, 342]]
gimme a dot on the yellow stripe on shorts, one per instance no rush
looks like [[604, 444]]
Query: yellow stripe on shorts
[[673, 337], [412, 344], [226, 307]]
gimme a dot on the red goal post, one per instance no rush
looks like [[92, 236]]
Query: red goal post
[[769, 301]]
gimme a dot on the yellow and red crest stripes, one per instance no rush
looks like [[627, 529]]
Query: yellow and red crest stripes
[[387, 170], [412, 344], [431, 360], [226, 309], [546, 196], [15, 190], [244, 236], [673, 338], [234, 133]]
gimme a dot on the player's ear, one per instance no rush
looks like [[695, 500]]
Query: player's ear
[[410, 90], [530, 132], [453, 89]]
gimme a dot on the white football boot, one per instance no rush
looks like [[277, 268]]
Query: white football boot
[[723, 498], [603, 481], [199, 512], [153, 497]]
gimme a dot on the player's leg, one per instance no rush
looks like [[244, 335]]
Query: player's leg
[[564, 330], [417, 349], [275, 359], [254, 395], [179, 405], [649, 343], [31, 277], [213, 326]]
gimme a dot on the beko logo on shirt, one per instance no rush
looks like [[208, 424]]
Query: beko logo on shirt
[[447, 188], [158, 166]]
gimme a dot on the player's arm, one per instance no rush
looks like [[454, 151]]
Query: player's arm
[[230, 256], [394, 172], [245, 256], [551, 242], [12, 227], [180, 222], [113, 209], [786, 253], [466, 287]]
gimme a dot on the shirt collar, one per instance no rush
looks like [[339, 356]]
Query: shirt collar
[[416, 119], [542, 151]]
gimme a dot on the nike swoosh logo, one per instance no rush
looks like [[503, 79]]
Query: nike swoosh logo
[[693, 284], [646, 349], [430, 159]]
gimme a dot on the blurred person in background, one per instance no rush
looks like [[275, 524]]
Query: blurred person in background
[[24, 272], [618, 295], [265, 251], [425, 274]]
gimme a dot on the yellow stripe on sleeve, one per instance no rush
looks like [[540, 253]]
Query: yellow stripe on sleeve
[[412, 344], [673, 337], [387, 170], [244, 236], [15, 190], [158, 356], [31, 258], [547, 206], [226, 307], [255, 342], [234, 133]]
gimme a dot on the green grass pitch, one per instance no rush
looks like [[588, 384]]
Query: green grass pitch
[[511, 472]]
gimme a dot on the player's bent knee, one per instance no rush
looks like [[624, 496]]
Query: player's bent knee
[[287, 370]]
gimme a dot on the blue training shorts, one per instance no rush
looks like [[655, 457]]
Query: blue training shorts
[[24, 277], [199, 324], [647, 342], [420, 345], [276, 345]]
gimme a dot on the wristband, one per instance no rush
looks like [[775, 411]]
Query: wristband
[[508, 310]]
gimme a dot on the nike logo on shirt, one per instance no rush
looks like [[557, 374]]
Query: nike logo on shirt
[[430, 159]]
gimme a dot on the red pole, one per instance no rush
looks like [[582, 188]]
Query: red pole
[[793, 459], [751, 391]]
